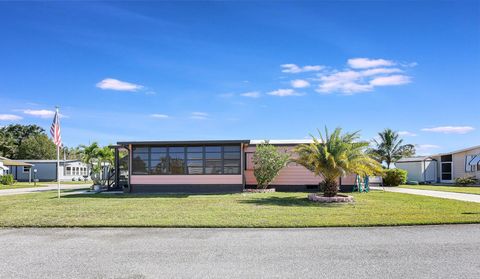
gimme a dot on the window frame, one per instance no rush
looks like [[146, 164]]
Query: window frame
[[204, 147]]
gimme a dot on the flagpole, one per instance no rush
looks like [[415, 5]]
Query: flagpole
[[58, 163]]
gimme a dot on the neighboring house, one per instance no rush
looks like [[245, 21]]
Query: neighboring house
[[420, 169], [46, 170], [460, 163], [7, 165], [201, 166]]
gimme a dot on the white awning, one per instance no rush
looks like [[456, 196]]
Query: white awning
[[4, 168], [475, 161]]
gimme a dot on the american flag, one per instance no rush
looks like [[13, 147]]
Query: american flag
[[55, 130]]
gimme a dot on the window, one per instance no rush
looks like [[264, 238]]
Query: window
[[195, 160], [213, 160], [179, 160], [68, 170], [140, 160], [26, 169]]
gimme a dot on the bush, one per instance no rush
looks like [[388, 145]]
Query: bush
[[267, 162], [413, 182], [394, 177], [7, 179], [464, 181]]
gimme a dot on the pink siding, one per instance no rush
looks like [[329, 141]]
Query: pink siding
[[186, 179], [292, 174]]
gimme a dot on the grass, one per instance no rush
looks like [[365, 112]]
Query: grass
[[376, 208], [456, 189]]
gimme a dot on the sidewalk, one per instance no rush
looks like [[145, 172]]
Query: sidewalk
[[50, 187], [436, 194]]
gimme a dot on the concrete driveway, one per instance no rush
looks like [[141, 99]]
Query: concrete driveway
[[451, 251], [432, 193]]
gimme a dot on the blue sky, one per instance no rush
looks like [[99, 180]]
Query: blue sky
[[243, 70]]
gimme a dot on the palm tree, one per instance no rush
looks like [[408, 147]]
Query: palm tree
[[389, 148], [335, 156], [90, 155]]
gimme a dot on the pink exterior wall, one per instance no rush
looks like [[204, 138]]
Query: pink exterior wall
[[292, 174], [186, 179]]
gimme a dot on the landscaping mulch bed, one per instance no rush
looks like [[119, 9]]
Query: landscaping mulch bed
[[270, 190]]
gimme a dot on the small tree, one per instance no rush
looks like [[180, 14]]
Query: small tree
[[268, 161]]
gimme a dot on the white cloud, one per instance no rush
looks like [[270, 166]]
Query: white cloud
[[300, 83], [293, 68], [251, 94], [42, 113], [390, 80], [160, 116], [450, 129], [363, 63], [348, 82], [407, 134], [115, 84], [378, 71], [9, 117], [199, 115], [284, 93]]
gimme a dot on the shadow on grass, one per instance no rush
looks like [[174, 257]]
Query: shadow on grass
[[288, 201], [139, 195], [471, 213]]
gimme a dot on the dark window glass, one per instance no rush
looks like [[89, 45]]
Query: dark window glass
[[176, 149], [158, 149], [159, 167], [446, 158], [213, 166], [139, 165], [158, 156], [446, 167], [231, 155], [177, 166], [213, 156], [195, 156], [231, 170], [177, 155], [195, 149], [231, 148], [140, 150], [195, 163], [213, 149], [231, 163]]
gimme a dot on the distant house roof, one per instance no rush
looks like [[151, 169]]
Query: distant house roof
[[8, 162], [49, 161], [415, 159]]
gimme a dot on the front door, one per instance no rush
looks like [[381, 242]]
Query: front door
[[446, 169]]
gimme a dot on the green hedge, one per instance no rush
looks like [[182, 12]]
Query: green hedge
[[394, 177], [7, 179]]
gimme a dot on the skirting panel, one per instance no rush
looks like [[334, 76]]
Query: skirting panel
[[187, 188]]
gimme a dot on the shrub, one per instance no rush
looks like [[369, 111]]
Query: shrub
[[394, 177], [7, 179], [464, 181], [413, 182], [267, 161]]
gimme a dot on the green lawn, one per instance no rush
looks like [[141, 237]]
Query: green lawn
[[457, 189], [376, 208]]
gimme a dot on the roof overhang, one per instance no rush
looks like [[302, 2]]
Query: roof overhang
[[183, 142]]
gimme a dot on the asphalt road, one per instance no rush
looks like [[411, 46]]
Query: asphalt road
[[390, 252]]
